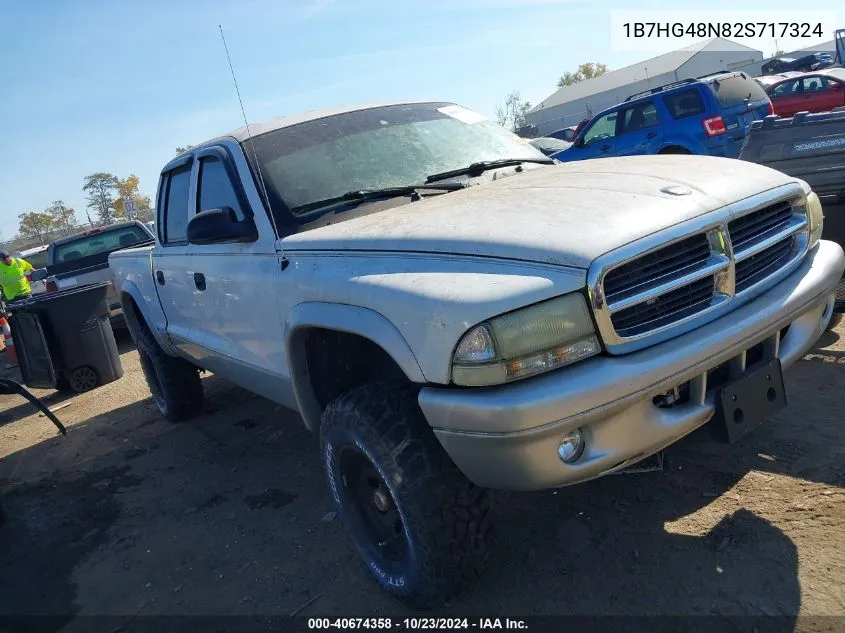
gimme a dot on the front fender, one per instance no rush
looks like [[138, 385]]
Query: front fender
[[342, 318], [130, 292]]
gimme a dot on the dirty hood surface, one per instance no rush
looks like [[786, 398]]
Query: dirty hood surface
[[563, 215]]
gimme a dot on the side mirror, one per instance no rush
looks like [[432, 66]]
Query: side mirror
[[39, 274], [220, 225], [578, 142]]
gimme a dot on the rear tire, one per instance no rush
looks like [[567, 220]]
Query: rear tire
[[174, 383], [421, 528]]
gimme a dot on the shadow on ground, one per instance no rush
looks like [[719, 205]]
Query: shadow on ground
[[229, 514]]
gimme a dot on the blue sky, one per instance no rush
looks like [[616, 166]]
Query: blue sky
[[97, 85]]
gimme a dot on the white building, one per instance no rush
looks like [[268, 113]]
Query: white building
[[824, 47], [582, 100]]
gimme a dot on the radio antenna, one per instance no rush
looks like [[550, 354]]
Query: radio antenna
[[248, 131]]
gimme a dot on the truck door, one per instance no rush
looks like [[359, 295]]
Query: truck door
[[232, 290], [640, 130], [172, 269], [786, 97], [598, 140]]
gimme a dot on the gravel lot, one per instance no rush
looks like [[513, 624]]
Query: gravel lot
[[228, 514]]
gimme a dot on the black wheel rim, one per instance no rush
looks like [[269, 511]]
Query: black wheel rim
[[372, 509], [83, 379]]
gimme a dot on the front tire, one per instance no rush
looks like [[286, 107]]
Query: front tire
[[174, 383], [422, 529]]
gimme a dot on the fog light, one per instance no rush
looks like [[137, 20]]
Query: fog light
[[571, 446]]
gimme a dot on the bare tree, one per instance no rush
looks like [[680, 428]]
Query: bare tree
[[511, 115]]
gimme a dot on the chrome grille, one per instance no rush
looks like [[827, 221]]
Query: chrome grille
[[759, 266], [674, 305], [757, 225], [652, 269], [641, 295]]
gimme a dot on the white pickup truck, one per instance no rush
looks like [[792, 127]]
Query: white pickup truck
[[452, 312]]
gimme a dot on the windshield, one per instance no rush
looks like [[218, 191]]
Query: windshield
[[390, 146], [102, 242]]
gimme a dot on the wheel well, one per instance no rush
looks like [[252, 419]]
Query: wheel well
[[132, 314], [674, 149], [340, 361]]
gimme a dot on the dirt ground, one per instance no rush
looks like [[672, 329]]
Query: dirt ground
[[229, 514]]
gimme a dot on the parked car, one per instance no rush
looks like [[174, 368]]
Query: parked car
[[83, 259], [805, 63], [549, 145], [767, 80], [567, 134], [450, 312], [812, 92], [709, 115], [37, 257]]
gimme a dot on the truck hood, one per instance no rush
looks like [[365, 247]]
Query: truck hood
[[563, 215]]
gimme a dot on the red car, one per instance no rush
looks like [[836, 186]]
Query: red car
[[819, 91]]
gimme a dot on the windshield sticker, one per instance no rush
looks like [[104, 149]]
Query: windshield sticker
[[462, 114]]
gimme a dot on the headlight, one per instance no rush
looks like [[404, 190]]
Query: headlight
[[529, 341], [815, 218]]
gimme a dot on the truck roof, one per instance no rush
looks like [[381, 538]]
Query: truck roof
[[262, 127]]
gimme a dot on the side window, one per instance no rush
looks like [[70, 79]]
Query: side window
[[603, 128], [215, 188], [176, 211], [814, 84], [786, 89], [639, 117], [684, 103]]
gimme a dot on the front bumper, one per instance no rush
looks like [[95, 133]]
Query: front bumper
[[507, 437]]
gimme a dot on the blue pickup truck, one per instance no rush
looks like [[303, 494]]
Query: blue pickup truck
[[709, 115]]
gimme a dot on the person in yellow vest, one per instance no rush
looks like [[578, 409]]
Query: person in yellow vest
[[13, 279]]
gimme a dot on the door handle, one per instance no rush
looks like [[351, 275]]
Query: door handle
[[604, 148], [651, 134], [199, 281], [160, 277]]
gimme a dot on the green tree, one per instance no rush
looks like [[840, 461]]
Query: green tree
[[36, 224], [511, 115], [585, 71], [127, 189], [64, 217], [101, 188]]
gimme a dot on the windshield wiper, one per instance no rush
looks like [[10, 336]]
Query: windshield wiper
[[476, 169], [363, 195]]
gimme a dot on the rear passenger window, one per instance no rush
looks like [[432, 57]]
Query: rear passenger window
[[685, 103], [815, 84], [215, 187], [176, 211], [639, 117]]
